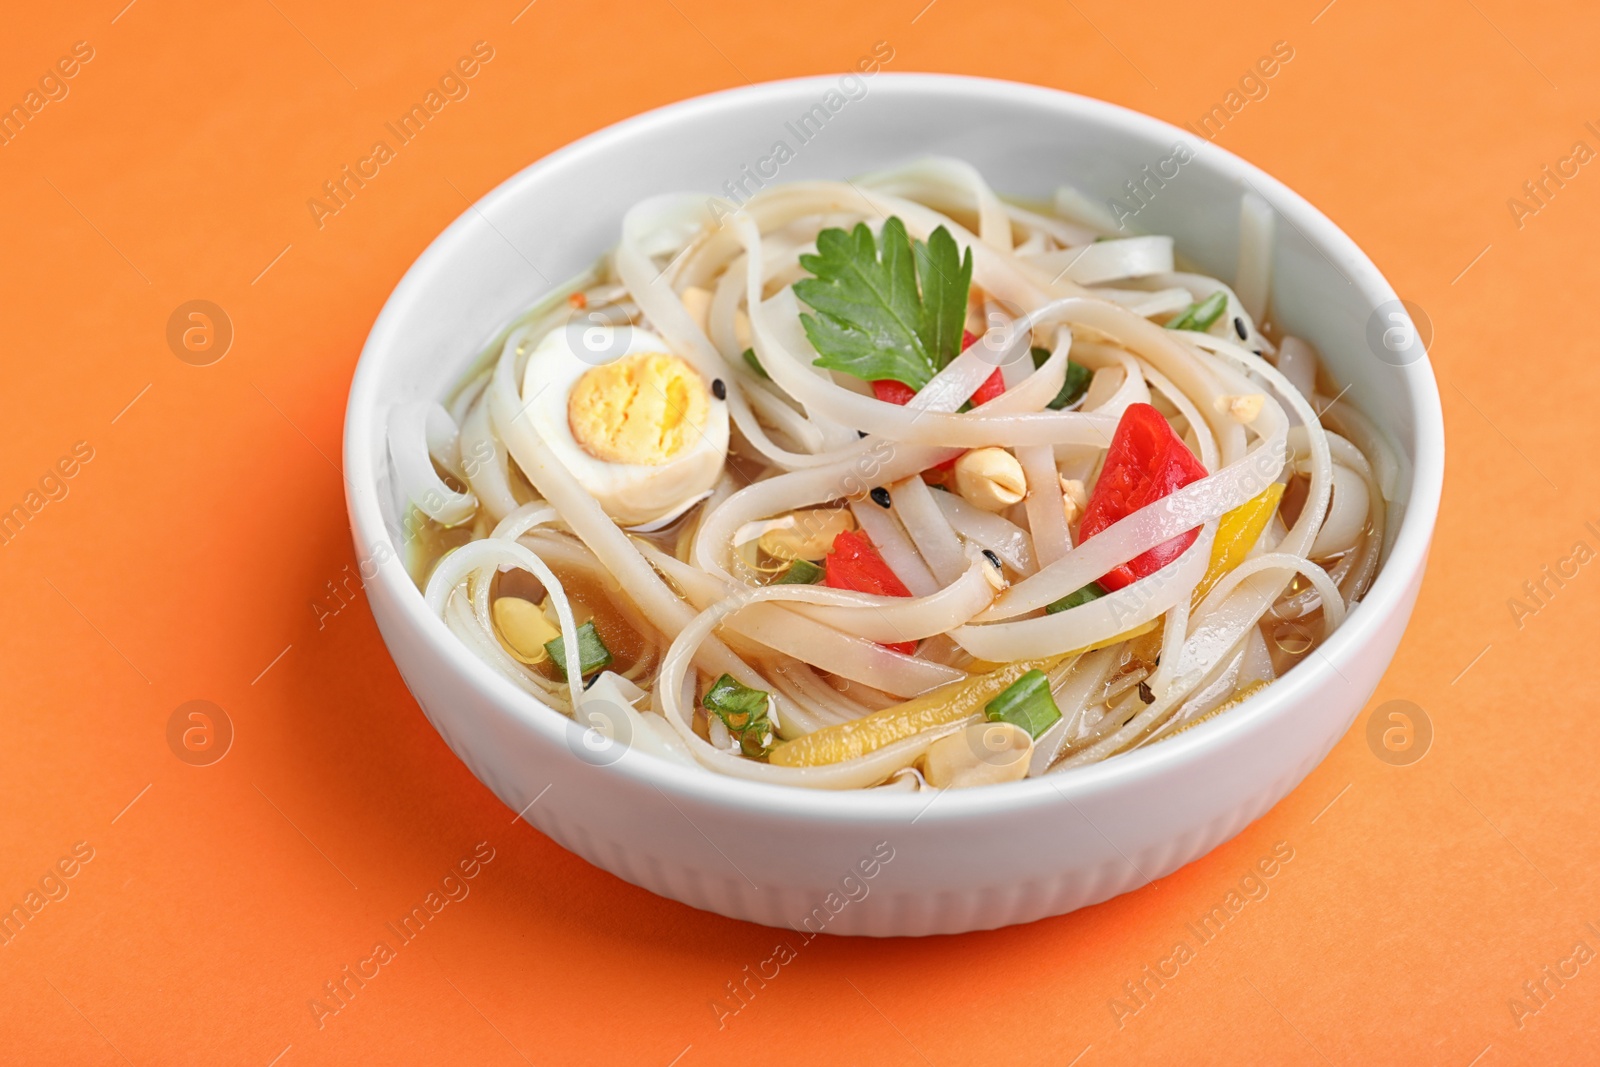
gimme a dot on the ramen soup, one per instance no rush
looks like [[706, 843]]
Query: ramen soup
[[893, 484]]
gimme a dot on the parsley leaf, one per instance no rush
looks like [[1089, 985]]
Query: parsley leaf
[[946, 278], [871, 320]]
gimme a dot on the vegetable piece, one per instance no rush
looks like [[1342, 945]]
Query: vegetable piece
[[871, 320], [992, 386], [943, 706], [1027, 703], [800, 572], [1237, 533], [892, 392], [1092, 591], [855, 564], [1199, 316], [744, 711], [1073, 387], [592, 651], [755, 365], [946, 705], [1146, 462]]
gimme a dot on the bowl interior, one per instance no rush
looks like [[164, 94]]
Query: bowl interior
[[552, 220]]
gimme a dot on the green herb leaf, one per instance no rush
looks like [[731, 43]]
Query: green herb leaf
[[1092, 591], [1073, 387], [800, 572], [743, 711], [592, 652], [945, 281], [1027, 703], [1200, 316], [755, 365], [871, 320]]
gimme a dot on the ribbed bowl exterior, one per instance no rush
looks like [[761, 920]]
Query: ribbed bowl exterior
[[950, 871]]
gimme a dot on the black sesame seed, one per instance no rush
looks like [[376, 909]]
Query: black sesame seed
[[992, 558], [719, 389], [861, 433], [1146, 694], [1257, 351], [880, 496], [1238, 328]]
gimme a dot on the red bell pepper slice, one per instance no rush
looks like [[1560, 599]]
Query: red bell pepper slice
[[993, 385], [892, 391], [1146, 462], [854, 564]]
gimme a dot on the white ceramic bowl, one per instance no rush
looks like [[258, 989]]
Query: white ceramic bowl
[[970, 859]]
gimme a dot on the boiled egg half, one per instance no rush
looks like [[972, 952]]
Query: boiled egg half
[[639, 428]]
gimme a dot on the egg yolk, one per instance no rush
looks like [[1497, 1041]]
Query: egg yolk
[[644, 409]]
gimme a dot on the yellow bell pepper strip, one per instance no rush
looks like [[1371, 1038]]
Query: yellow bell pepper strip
[[1237, 533], [941, 707]]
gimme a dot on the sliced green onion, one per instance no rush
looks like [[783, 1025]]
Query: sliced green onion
[[592, 652], [755, 364], [1075, 385], [1200, 316], [1092, 591], [1027, 703], [743, 711], [800, 572]]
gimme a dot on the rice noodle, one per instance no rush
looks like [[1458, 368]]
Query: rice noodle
[[420, 435], [707, 593], [1105, 261], [930, 531], [489, 480], [986, 530]]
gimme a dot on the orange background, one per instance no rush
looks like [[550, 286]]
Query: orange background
[[185, 559]]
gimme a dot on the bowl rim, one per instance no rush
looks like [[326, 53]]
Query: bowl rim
[[1403, 565]]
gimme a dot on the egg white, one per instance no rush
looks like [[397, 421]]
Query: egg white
[[633, 494]]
